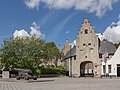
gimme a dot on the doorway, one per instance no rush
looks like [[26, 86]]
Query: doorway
[[118, 70], [86, 68]]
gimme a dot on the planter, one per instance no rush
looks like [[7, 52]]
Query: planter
[[5, 74]]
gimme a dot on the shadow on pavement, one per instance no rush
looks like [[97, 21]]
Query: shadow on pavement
[[40, 81], [25, 81]]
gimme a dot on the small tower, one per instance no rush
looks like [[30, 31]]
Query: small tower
[[66, 47]]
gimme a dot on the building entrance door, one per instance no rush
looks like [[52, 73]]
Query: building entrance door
[[86, 68], [118, 70]]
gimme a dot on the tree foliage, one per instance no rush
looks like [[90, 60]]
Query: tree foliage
[[105, 40], [52, 52], [22, 52], [117, 45], [27, 53]]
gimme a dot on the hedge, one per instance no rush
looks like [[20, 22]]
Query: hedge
[[52, 70]]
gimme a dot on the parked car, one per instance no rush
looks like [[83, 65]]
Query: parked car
[[25, 74]]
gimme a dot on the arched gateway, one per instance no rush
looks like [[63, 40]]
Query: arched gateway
[[84, 58], [86, 68]]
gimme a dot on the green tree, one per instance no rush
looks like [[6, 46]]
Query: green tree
[[22, 52], [105, 40], [27, 53], [52, 52], [117, 45]]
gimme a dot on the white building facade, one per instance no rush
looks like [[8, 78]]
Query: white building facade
[[112, 66]]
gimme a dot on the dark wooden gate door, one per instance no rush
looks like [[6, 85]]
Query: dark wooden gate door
[[118, 70]]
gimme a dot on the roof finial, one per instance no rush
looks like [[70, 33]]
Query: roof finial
[[85, 20]]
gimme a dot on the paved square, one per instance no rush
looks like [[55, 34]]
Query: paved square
[[64, 83]]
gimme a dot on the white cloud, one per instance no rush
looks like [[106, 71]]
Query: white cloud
[[112, 33], [20, 33], [35, 30], [101, 37], [67, 32], [73, 44], [100, 7], [32, 3]]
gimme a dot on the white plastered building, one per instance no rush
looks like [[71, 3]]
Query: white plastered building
[[112, 66]]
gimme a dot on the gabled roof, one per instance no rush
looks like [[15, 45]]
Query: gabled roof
[[70, 53], [107, 47], [116, 58]]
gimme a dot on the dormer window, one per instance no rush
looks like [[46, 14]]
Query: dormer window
[[86, 31]]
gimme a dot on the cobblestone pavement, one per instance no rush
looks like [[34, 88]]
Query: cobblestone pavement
[[64, 83]]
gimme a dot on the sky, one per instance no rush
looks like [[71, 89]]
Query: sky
[[58, 20]]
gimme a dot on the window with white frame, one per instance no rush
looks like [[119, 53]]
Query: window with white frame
[[103, 68], [109, 68]]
